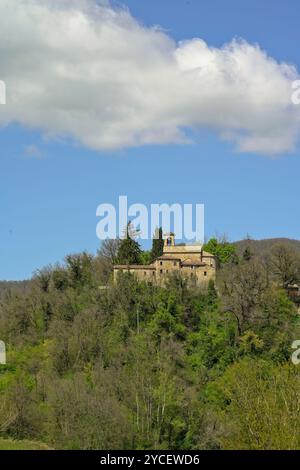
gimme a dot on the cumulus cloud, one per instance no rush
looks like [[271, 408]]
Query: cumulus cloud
[[90, 72]]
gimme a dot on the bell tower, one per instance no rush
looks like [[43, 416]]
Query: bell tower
[[169, 239]]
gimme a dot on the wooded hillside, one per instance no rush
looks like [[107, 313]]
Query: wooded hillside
[[137, 366]]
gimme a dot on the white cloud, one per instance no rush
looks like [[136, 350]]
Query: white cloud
[[95, 74]]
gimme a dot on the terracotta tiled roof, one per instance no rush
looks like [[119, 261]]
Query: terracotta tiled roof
[[134, 266], [193, 263]]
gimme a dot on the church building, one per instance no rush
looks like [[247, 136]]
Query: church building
[[188, 260]]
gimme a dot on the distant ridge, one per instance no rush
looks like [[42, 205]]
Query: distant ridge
[[20, 286], [263, 247], [259, 247]]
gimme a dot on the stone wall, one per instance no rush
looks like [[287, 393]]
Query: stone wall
[[188, 260]]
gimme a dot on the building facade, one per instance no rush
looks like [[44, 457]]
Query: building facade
[[190, 261]]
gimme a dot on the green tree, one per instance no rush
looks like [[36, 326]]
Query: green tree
[[129, 251], [145, 257], [143, 366], [79, 269], [259, 406], [157, 244], [222, 250]]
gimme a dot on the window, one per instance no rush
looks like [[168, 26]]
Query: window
[[161, 271], [145, 273], [161, 263], [205, 273]]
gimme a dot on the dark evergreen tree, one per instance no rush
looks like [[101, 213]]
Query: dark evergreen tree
[[247, 254], [157, 244], [129, 251]]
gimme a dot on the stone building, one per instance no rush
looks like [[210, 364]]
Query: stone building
[[188, 260], [294, 292]]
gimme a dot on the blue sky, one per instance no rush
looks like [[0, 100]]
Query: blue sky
[[50, 188]]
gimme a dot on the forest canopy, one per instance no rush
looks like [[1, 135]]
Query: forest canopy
[[93, 364]]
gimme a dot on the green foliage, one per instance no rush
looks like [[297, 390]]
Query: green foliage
[[250, 343], [157, 244], [79, 269], [129, 251], [258, 403], [222, 250], [9, 444], [138, 366], [145, 257]]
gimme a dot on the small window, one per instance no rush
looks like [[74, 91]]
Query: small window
[[161, 271], [161, 263], [145, 273], [205, 273], [153, 273]]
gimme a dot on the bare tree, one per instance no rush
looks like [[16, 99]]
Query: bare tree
[[243, 288], [285, 265], [109, 250]]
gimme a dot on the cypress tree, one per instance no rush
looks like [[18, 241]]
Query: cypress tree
[[157, 244]]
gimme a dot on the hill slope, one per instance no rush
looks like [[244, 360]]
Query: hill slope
[[9, 444], [263, 247]]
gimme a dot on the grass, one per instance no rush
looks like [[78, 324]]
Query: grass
[[9, 444]]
